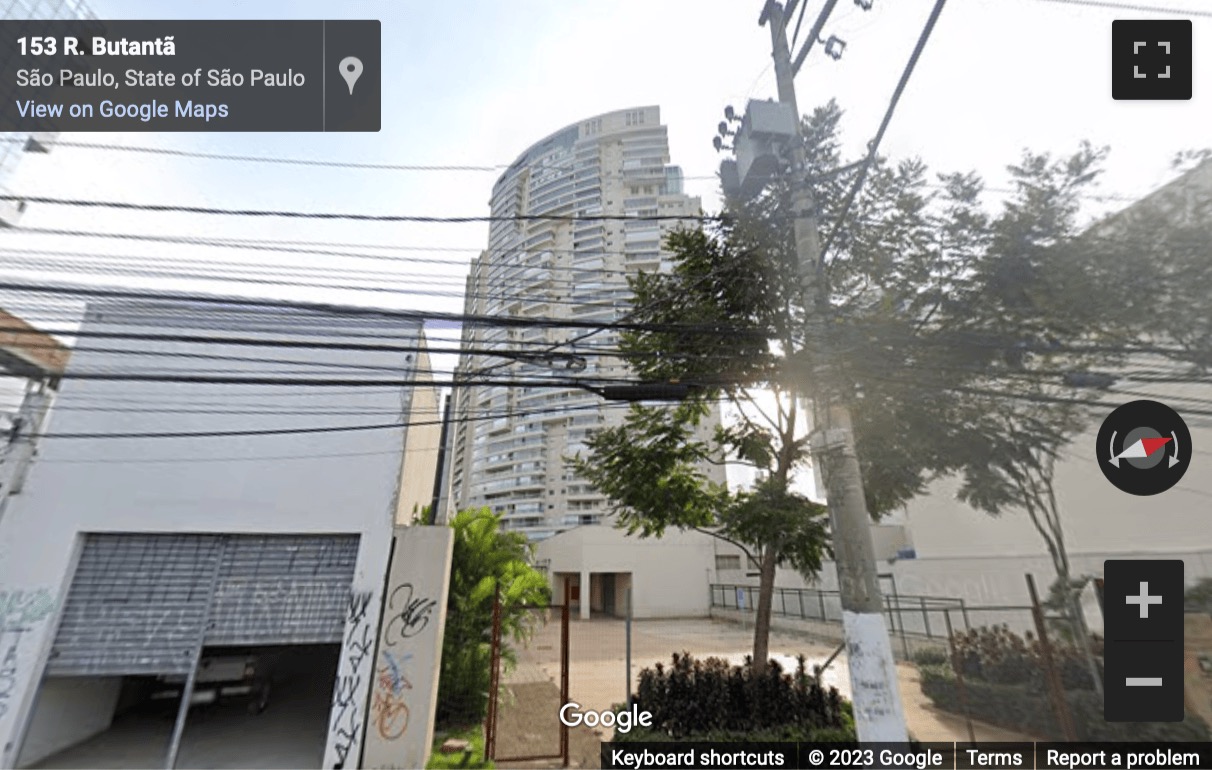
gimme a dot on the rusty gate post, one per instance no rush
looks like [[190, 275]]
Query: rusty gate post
[[959, 676], [494, 678], [1055, 687], [564, 699]]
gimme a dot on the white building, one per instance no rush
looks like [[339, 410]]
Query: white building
[[616, 164], [183, 515]]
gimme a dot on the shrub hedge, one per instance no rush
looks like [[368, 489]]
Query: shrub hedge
[[1027, 709], [1000, 656], [711, 700]]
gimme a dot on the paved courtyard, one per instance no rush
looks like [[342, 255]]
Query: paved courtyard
[[598, 672]]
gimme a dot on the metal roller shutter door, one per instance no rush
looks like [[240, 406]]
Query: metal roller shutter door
[[278, 589], [139, 604]]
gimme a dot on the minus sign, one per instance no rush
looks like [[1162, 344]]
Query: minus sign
[[1140, 640], [1143, 681]]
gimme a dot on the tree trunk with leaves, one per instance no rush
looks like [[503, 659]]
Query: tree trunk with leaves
[[765, 609]]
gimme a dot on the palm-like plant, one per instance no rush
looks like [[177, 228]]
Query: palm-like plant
[[484, 558]]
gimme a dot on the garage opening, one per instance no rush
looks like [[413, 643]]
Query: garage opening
[[249, 626]]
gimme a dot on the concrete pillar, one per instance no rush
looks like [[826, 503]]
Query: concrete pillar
[[584, 595]]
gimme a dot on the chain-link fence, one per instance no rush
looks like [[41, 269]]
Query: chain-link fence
[[529, 685]]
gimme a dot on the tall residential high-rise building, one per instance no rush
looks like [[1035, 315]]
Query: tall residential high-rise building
[[510, 443]]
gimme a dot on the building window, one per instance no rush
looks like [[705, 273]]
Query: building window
[[727, 561]]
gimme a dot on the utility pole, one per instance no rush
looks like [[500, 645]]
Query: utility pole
[[17, 449], [879, 715]]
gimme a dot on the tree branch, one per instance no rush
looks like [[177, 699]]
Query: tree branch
[[749, 397], [725, 538]]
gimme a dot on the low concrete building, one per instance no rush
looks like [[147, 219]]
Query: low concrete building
[[667, 576], [213, 478]]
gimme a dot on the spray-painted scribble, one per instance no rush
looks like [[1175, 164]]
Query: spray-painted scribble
[[8, 671], [409, 614], [347, 717], [20, 609], [391, 712]]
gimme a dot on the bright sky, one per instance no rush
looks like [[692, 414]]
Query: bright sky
[[476, 82]]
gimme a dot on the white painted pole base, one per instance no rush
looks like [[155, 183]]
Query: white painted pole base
[[878, 713]]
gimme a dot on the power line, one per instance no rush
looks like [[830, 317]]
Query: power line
[[263, 458], [319, 309], [235, 242], [326, 248], [1039, 398], [873, 146], [559, 412], [500, 167], [403, 287], [144, 149], [351, 216], [1134, 7], [155, 265], [271, 431], [545, 357]]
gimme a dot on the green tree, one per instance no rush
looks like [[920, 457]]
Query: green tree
[[745, 274], [484, 558], [951, 334], [1133, 272]]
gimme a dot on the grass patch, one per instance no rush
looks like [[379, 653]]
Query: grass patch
[[473, 758]]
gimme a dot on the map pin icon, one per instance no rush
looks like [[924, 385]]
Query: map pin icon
[[351, 70]]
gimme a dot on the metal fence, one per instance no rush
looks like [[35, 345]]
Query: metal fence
[[527, 690], [909, 614], [1022, 670], [1038, 677]]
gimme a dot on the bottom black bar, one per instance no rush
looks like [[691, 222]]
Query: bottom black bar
[[1129, 756], [918, 756]]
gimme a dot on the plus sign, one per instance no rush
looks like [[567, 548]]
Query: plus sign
[[1144, 600]]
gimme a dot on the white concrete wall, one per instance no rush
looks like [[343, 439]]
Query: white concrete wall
[[669, 575], [405, 700], [336, 482], [421, 447], [1098, 518], [85, 703]]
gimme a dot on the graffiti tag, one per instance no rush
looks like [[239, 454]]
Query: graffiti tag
[[8, 675], [410, 615], [19, 609], [391, 712], [347, 719]]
